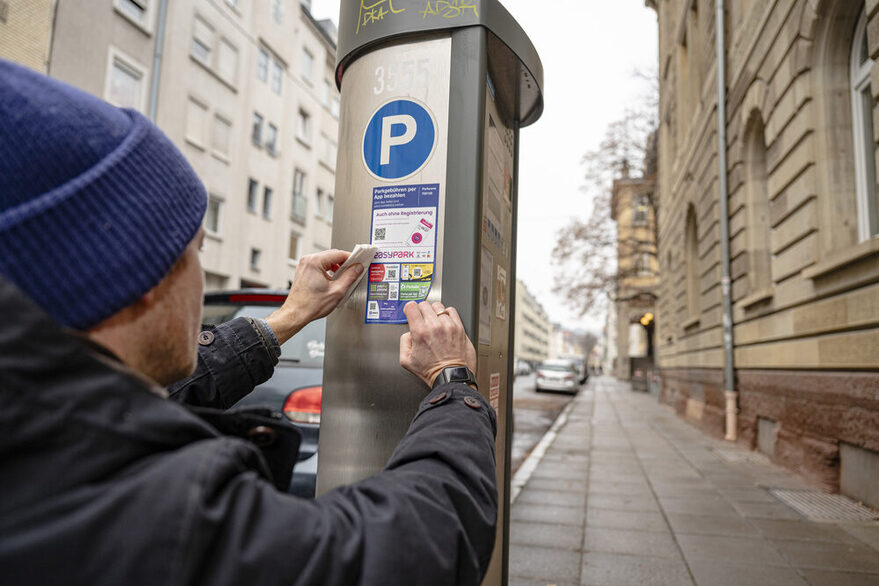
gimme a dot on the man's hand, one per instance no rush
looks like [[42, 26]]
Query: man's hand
[[434, 342], [313, 295]]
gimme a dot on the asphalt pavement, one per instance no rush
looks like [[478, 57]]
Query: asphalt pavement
[[625, 492]]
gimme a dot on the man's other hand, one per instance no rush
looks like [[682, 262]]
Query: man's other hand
[[313, 295], [434, 342]]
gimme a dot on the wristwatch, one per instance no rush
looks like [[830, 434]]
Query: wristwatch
[[455, 374]]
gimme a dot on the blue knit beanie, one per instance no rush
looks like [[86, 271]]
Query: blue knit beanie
[[96, 204]]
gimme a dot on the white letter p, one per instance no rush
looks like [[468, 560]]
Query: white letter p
[[388, 141]]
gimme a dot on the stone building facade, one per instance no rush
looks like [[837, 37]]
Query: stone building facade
[[26, 32], [637, 275], [532, 327], [801, 111], [243, 87]]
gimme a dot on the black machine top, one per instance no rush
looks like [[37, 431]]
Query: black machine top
[[365, 23]]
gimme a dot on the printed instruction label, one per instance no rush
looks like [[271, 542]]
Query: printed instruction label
[[404, 224]]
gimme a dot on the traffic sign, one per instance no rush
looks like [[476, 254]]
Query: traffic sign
[[398, 140]]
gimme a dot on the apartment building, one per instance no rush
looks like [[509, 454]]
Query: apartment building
[[804, 254], [245, 89], [26, 32], [532, 333]]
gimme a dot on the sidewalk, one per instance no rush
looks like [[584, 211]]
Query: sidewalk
[[628, 493]]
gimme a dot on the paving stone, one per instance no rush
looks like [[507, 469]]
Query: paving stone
[[801, 530], [551, 565], [717, 574], [551, 497], [622, 502], [630, 542], [747, 550], [639, 521], [563, 484], [829, 556], [603, 569], [557, 471], [767, 511], [747, 495], [549, 535], [514, 581], [830, 578], [543, 513], [633, 488], [866, 532], [711, 525], [698, 505]]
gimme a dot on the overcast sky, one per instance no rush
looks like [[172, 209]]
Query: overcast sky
[[589, 49]]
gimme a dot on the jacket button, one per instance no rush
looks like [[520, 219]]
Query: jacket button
[[438, 398], [472, 402], [206, 338], [262, 436]]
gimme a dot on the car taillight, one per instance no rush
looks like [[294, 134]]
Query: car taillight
[[303, 405]]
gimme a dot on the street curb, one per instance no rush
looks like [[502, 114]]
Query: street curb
[[523, 474]]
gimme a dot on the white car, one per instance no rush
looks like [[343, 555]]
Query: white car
[[557, 375]]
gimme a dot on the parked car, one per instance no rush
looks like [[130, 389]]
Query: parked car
[[295, 388], [557, 375], [580, 364], [521, 367]]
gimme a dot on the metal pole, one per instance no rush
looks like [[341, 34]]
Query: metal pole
[[729, 365], [157, 61]]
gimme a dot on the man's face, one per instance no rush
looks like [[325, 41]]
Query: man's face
[[178, 308]]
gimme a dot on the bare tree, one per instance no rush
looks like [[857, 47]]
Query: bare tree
[[585, 254]]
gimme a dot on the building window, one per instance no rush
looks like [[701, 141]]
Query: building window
[[293, 250], [212, 217], [300, 203], [256, 130], [262, 65], [692, 252], [303, 126], [255, 255], [252, 195], [202, 41], [319, 203], [267, 203], [125, 81], [272, 139], [232, 4], [196, 123], [227, 61], [135, 10], [278, 11], [642, 264], [329, 214], [639, 217], [862, 118], [277, 77], [334, 108], [221, 136], [307, 65], [758, 227]]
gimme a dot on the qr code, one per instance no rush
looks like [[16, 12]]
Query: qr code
[[380, 233]]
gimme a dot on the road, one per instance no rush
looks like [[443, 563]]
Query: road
[[533, 414]]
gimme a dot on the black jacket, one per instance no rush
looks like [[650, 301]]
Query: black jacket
[[104, 481]]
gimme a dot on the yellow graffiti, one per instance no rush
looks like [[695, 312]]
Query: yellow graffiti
[[449, 8], [378, 10]]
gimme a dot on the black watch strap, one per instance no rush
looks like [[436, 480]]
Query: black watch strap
[[455, 374]]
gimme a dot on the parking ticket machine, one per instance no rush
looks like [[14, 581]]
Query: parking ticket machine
[[434, 93]]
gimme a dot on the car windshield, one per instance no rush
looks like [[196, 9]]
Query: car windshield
[[305, 348], [556, 366]]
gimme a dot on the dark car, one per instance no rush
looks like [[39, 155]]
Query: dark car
[[295, 388]]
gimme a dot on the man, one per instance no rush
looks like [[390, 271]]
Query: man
[[106, 481]]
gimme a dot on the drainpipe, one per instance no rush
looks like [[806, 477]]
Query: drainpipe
[[157, 60], [729, 366]]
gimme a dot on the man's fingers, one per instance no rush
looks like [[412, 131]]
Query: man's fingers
[[453, 313], [413, 314], [405, 344], [328, 258], [347, 278], [427, 313]]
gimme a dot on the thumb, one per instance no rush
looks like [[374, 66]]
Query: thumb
[[405, 344], [350, 275]]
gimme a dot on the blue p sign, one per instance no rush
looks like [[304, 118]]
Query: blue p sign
[[398, 140]]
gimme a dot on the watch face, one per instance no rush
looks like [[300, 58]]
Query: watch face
[[458, 373]]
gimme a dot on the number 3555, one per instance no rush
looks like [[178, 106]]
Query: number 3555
[[406, 76]]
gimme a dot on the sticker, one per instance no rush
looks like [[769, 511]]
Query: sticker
[[494, 389], [404, 219], [500, 300], [399, 139], [485, 297]]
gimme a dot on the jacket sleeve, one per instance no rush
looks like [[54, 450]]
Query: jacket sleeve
[[232, 359], [428, 518]]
